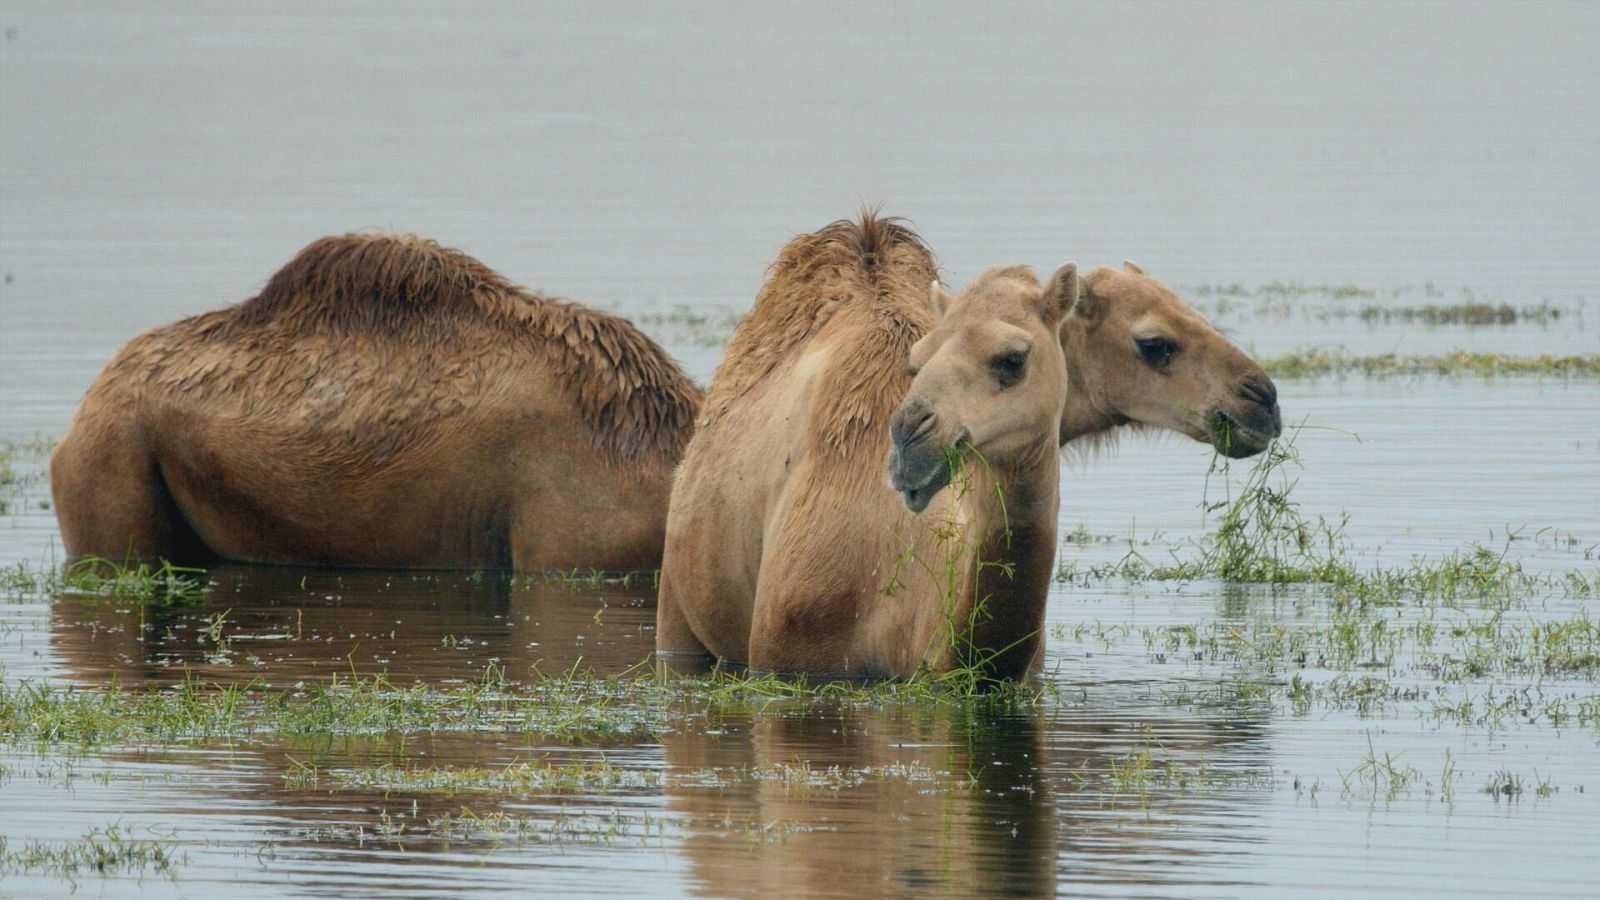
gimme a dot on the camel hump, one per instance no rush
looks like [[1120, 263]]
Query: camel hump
[[371, 282], [870, 244], [851, 263]]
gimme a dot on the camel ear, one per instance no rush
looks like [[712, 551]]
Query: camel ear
[[1061, 294], [1129, 265], [1090, 304], [938, 299]]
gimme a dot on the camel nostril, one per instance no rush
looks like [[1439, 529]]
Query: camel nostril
[[1259, 389], [912, 427]]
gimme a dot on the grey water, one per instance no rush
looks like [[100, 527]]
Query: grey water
[[161, 160]]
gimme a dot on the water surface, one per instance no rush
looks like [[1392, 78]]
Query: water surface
[[161, 161]]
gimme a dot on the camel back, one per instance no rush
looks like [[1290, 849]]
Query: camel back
[[626, 388], [877, 269]]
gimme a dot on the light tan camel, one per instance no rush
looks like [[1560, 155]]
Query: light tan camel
[[786, 550], [384, 401], [1138, 355]]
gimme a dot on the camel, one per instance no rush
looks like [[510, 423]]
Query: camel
[[786, 551], [383, 402]]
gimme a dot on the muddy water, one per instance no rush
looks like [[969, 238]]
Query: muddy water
[[158, 162]]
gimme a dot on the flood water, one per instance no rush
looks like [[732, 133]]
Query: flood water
[[157, 161]]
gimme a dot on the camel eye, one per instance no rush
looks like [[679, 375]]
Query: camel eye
[[1157, 351], [1009, 367]]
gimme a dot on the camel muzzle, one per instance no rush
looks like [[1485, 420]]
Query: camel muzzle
[[919, 467]]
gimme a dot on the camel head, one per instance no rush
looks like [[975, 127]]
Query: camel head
[[1137, 354], [989, 378]]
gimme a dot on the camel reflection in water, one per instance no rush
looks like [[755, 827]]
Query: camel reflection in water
[[283, 625], [886, 800], [952, 801]]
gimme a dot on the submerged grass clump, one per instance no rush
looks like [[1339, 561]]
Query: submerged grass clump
[[1469, 312], [567, 707], [1427, 304], [543, 777], [131, 580], [1262, 537], [22, 472], [111, 850], [1315, 363], [1450, 646], [547, 776], [696, 325]]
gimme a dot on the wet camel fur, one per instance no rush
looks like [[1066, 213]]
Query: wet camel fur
[[384, 401], [786, 548]]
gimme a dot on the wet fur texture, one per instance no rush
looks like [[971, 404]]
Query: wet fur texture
[[783, 537], [382, 401]]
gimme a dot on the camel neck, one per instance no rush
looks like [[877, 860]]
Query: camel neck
[[1080, 416], [1015, 526], [1083, 421]]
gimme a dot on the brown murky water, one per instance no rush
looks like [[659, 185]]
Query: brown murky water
[[158, 161]]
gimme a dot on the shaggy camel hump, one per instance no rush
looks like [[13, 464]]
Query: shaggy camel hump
[[372, 283], [382, 401], [845, 264], [445, 303]]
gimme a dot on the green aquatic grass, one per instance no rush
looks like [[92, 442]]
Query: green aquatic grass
[[592, 578], [1314, 363], [1465, 313], [1426, 304], [1426, 634], [135, 581], [110, 850], [566, 707], [1449, 647], [1262, 537], [23, 473], [1281, 290], [546, 776], [542, 777]]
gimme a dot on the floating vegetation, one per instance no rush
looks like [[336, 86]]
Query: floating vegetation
[[1151, 766], [111, 850], [1450, 648], [584, 829], [1467, 313], [1325, 363], [567, 707], [697, 325], [1452, 621], [1381, 775], [543, 777], [800, 775], [22, 473], [131, 581], [555, 777], [1263, 538], [494, 829], [1427, 306], [1406, 305], [1298, 290], [577, 578]]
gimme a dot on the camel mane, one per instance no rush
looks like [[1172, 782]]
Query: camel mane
[[632, 395], [876, 266]]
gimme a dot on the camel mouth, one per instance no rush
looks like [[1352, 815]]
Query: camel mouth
[[917, 498], [920, 471], [1238, 439]]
